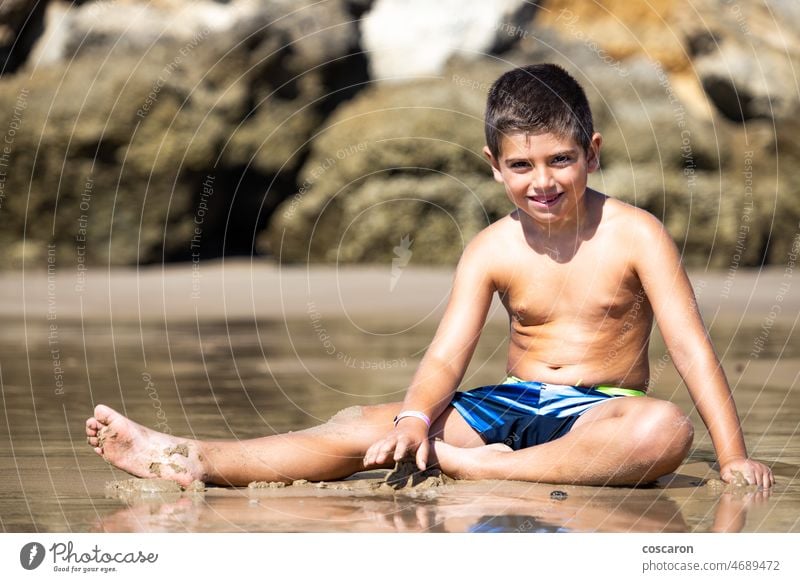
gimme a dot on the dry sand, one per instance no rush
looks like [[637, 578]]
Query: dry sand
[[243, 289]]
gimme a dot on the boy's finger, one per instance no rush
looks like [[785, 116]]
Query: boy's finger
[[422, 455], [368, 456], [385, 450], [401, 449], [373, 452]]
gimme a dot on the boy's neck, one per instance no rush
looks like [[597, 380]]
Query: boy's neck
[[565, 235]]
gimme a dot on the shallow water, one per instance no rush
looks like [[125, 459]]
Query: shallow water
[[242, 380]]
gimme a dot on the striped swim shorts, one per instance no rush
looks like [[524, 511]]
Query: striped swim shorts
[[522, 414]]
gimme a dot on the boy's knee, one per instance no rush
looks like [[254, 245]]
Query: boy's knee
[[667, 429]]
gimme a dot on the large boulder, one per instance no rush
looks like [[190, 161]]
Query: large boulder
[[131, 120], [21, 24], [179, 150], [411, 38], [667, 149], [744, 55], [615, 30], [391, 163]]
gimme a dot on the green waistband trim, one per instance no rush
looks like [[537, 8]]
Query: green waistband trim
[[610, 390], [616, 391]]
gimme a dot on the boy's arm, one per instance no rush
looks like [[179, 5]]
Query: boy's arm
[[446, 359], [667, 286]]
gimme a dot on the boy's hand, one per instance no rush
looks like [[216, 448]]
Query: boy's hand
[[407, 437], [754, 472]]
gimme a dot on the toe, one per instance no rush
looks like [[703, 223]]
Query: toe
[[93, 441], [92, 426], [104, 414], [98, 450]]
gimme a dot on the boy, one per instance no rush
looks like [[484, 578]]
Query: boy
[[582, 277]]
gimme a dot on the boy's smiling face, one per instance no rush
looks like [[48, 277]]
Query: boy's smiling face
[[545, 175]]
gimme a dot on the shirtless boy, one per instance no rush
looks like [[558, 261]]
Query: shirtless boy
[[582, 277]]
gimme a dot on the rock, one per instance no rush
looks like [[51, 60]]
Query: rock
[[714, 183], [132, 120], [139, 25], [614, 30], [185, 148], [643, 119], [726, 47], [398, 161], [744, 55], [409, 38], [21, 24]]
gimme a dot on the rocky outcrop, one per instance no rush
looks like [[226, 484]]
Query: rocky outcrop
[[412, 38], [143, 131], [670, 145], [399, 161], [176, 151], [745, 57], [21, 24]]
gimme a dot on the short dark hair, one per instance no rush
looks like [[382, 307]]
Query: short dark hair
[[540, 98]]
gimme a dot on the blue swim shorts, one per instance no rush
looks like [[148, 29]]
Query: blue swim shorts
[[523, 414]]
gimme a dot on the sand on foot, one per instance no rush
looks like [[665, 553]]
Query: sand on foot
[[143, 452]]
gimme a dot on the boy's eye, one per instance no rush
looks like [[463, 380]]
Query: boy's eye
[[561, 159], [520, 164]]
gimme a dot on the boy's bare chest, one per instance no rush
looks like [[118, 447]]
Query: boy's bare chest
[[589, 288]]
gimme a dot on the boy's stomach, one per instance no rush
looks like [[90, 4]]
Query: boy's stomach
[[580, 357]]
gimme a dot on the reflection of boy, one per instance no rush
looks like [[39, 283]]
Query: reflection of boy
[[582, 277]]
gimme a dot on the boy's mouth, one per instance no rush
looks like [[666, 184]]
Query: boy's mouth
[[546, 201]]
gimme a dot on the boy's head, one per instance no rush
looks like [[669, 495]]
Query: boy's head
[[537, 99]]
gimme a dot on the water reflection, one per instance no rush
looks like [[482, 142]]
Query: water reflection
[[247, 379], [467, 507]]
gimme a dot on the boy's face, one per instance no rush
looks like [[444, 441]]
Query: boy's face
[[545, 175]]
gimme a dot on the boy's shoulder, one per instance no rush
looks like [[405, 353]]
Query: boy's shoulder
[[495, 236], [643, 236], [486, 249], [632, 221]]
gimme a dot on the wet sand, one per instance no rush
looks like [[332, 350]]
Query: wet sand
[[242, 355]]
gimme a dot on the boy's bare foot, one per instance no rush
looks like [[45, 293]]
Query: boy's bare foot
[[465, 463], [143, 452]]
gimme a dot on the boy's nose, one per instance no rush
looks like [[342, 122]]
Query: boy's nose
[[543, 182]]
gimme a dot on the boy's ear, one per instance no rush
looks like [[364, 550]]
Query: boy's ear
[[498, 177], [593, 156]]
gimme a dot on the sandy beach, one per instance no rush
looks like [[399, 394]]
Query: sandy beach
[[234, 350], [244, 289]]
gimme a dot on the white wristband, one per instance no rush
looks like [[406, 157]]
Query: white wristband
[[416, 414]]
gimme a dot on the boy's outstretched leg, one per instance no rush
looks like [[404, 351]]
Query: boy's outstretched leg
[[330, 451]]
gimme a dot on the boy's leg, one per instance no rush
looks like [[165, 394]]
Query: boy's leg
[[620, 442], [330, 451]]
